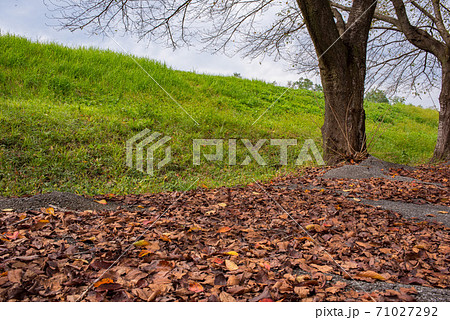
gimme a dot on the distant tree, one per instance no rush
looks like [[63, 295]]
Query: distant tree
[[317, 87], [377, 95], [304, 83], [397, 99], [340, 43]]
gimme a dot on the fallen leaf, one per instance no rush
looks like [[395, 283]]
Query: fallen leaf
[[224, 229], [220, 280], [165, 238], [12, 236], [101, 201], [233, 280], [141, 243], [195, 287], [302, 292], [324, 269], [143, 253], [15, 275], [218, 260], [231, 265], [103, 281], [195, 228], [312, 227], [108, 287], [226, 297], [371, 274], [50, 211], [303, 277]]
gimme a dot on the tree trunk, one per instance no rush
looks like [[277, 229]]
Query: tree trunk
[[343, 131], [342, 63], [442, 149]]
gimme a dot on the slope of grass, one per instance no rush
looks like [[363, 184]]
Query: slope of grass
[[65, 116]]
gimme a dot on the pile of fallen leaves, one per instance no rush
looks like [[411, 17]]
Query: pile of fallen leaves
[[427, 173], [383, 189], [289, 240]]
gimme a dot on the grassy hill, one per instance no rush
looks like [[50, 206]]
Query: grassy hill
[[65, 115]]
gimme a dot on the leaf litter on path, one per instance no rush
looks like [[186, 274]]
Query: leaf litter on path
[[227, 244]]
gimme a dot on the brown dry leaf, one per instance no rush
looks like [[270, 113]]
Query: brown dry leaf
[[349, 265], [324, 269], [143, 293], [195, 287], [386, 250], [338, 286], [157, 290], [233, 280], [226, 297], [444, 249], [231, 265], [333, 290], [165, 238], [220, 280], [302, 278], [135, 275], [154, 246], [15, 275], [302, 292], [224, 229], [371, 274]]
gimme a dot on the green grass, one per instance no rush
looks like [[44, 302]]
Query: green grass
[[65, 115]]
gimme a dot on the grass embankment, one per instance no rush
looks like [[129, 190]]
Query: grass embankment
[[65, 115]]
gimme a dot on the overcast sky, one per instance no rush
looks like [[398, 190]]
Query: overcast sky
[[30, 19]]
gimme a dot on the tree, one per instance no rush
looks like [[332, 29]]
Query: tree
[[342, 65], [425, 25], [340, 45], [377, 95]]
